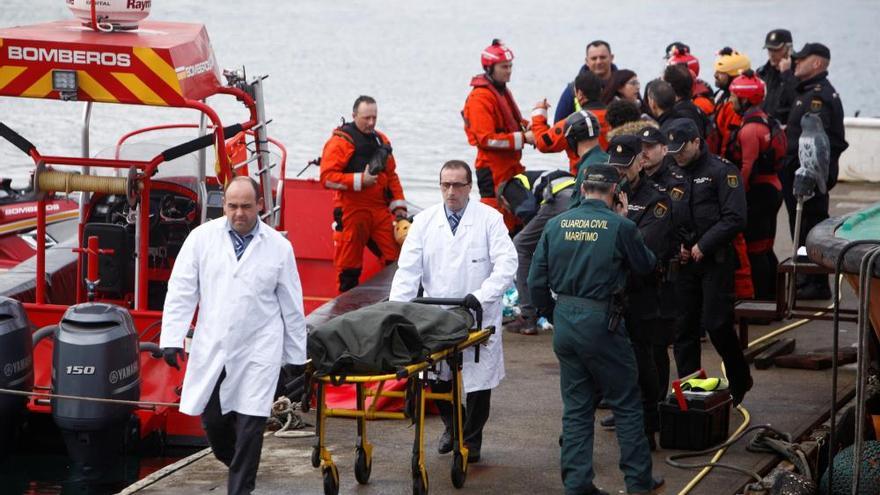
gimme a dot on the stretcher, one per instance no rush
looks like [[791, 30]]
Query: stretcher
[[414, 396]]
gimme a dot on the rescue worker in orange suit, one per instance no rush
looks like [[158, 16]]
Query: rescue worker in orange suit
[[759, 154], [358, 163], [587, 89], [494, 125], [729, 64], [703, 96]]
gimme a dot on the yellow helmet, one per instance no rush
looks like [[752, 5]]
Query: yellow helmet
[[732, 62], [401, 228]]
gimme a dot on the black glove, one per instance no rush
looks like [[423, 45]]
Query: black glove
[[471, 302], [170, 355]]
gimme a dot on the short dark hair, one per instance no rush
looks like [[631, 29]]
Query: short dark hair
[[589, 84], [591, 187], [598, 43], [258, 192], [679, 77], [362, 99], [622, 111], [460, 165], [661, 93]]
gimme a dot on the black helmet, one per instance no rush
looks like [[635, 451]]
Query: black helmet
[[581, 126]]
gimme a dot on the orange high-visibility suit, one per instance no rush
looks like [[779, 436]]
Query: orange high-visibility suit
[[494, 125], [552, 139], [363, 215]]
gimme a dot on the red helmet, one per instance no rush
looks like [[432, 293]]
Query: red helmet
[[495, 53], [749, 87], [686, 58]]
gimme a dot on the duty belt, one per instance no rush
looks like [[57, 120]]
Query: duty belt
[[583, 302]]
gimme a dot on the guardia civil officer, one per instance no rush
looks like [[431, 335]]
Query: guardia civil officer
[[650, 209], [584, 256], [716, 214], [814, 94]]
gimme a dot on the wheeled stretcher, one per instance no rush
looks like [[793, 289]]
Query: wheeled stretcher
[[414, 395]]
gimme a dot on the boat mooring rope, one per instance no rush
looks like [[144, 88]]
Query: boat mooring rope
[[136, 403], [747, 418]]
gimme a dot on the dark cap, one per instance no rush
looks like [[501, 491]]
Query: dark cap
[[777, 38], [623, 150], [601, 173], [813, 49], [679, 132], [652, 135]]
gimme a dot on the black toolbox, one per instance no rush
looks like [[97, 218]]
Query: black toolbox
[[694, 420]]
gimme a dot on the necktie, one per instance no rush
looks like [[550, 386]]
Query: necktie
[[454, 218], [238, 242]]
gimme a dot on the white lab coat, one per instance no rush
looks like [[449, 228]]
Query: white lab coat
[[479, 259], [250, 317]]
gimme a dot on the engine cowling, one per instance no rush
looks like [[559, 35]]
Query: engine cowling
[[16, 368]]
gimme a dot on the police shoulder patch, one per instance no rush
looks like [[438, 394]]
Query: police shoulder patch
[[816, 104], [676, 193], [733, 181], [660, 210]]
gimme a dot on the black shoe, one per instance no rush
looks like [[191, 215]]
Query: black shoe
[[738, 393], [814, 292], [444, 446], [657, 482], [473, 456], [607, 422]]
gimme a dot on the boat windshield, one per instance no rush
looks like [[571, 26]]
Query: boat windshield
[[183, 171]]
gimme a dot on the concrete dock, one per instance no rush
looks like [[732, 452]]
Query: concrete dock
[[520, 452]]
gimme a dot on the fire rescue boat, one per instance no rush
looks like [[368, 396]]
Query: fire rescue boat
[[79, 323]]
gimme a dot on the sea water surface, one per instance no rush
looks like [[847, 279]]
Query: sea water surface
[[416, 58]]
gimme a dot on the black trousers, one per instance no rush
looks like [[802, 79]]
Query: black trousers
[[663, 337], [763, 202], [641, 335], [237, 441], [705, 300], [815, 210], [476, 413]]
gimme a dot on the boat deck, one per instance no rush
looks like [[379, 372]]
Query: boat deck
[[520, 452]]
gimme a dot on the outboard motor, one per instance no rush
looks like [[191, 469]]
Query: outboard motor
[[95, 355], [16, 368]]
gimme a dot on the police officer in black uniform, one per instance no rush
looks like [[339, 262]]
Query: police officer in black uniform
[[777, 75], [668, 178], [814, 94], [651, 211], [716, 214]]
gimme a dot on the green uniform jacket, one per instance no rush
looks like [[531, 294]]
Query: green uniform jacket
[[587, 252], [593, 155]]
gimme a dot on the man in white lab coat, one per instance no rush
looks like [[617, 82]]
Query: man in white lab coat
[[242, 276], [455, 249]]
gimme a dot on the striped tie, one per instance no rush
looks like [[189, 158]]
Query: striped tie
[[454, 218], [238, 243]]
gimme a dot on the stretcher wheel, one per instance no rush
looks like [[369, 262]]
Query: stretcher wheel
[[331, 480], [459, 473], [363, 465], [316, 456], [420, 483]]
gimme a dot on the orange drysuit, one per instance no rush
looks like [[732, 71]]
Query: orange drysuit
[[363, 215], [727, 121], [552, 139], [494, 125]]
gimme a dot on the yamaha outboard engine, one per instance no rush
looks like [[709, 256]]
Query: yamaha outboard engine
[[95, 355], [16, 369]]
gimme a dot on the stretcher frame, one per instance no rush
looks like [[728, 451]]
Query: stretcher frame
[[415, 394]]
